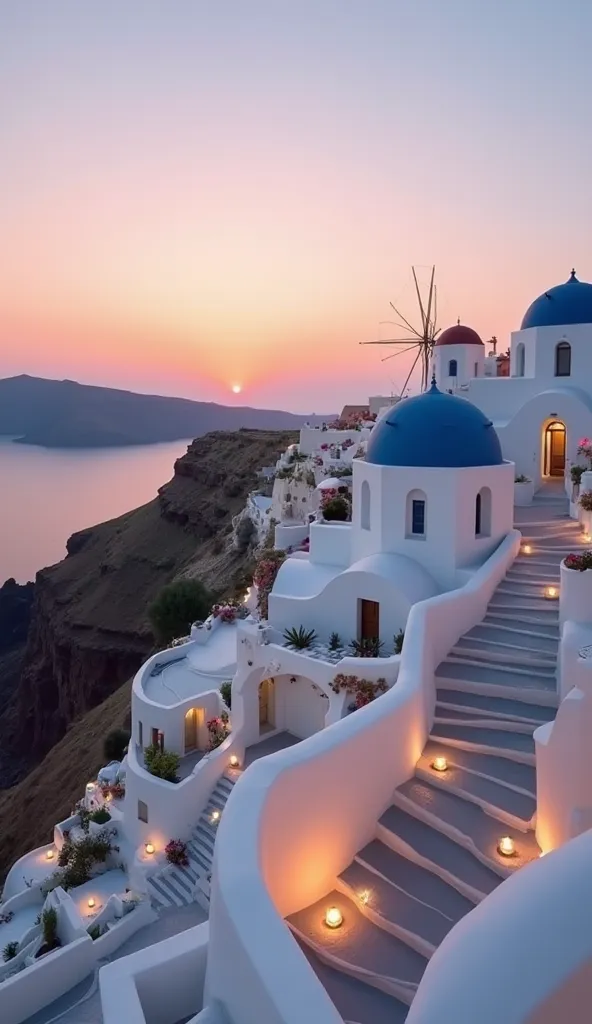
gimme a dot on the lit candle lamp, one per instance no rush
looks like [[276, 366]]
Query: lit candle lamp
[[149, 847], [50, 854], [215, 816], [551, 593], [440, 764], [526, 549], [333, 917], [91, 903], [365, 897], [234, 761], [506, 846]]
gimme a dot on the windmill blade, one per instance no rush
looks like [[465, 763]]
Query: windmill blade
[[410, 372], [385, 359], [389, 341], [400, 315], [395, 324], [422, 311], [435, 309], [430, 296]]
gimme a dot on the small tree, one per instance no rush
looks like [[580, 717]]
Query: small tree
[[226, 693], [176, 607], [115, 744], [337, 509], [162, 763]]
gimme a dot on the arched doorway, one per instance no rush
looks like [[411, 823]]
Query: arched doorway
[[266, 706], [554, 449], [193, 719]]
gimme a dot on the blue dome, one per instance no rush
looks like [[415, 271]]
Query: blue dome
[[436, 430], [569, 303]]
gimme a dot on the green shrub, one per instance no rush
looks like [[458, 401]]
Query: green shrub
[[177, 606], [300, 638], [398, 641], [576, 474], [334, 642], [370, 647], [337, 509], [162, 763], [96, 930], [49, 926], [226, 693], [521, 479], [115, 744], [10, 950], [100, 816]]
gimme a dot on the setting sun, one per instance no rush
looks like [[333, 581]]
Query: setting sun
[[237, 389]]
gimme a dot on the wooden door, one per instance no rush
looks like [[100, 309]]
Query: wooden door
[[555, 449], [191, 730], [266, 704], [369, 620]]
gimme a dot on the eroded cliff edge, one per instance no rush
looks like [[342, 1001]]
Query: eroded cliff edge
[[89, 630]]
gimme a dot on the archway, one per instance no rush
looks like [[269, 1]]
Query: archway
[[554, 449], [193, 719], [266, 706]]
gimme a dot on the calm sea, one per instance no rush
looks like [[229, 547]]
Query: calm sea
[[48, 494]]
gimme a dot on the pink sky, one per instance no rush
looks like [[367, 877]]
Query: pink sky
[[221, 194]]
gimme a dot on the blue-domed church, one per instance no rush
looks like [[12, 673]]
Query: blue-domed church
[[543, 408]]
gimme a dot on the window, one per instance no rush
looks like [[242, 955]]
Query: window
[[140, 734], [365, 505], [563, 359], [483, 513], [452, 368], [476, 373], [415, 526], [520, 359], [142, 811]]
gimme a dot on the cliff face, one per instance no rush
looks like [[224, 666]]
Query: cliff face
[[89, 631]]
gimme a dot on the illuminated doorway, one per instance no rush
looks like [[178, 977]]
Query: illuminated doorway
[[193, 720], [554, 460], [266, 705]]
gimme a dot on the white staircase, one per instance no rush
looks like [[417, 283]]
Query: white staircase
[[175, 886]]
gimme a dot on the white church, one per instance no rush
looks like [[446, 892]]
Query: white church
[[382, 805]]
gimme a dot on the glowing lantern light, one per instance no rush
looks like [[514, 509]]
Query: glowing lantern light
[[91, 902], [440, 764], [551, 593], [506, 846], [149, 847], [50, 854], [234, 761], [527, 549], [333, 917], [215, 816]]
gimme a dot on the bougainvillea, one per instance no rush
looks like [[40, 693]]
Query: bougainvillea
[[264, 578], [579, 562], [229, 611], [176, 853], [364, 690], [585, 449], [218, 728]]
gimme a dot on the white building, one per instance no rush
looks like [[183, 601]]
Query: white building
[[544, 407], [387, 812]]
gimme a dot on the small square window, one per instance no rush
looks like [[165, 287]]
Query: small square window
[[142, 811]]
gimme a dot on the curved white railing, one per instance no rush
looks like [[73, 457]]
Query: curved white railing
[[524, 956], [296, 818]]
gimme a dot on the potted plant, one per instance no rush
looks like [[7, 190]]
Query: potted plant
[[575, 595], [299, 639], [585, 514], [575, 473], [585, 449], [523, 490]]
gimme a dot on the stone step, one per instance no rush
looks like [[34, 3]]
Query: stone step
[[480, 720], [514, 638], [524, 594], [357, 1002], [544, 607], [536, 626], [360, 948], [515, 809], [389, 907], [167, 893], [514, 775], [514, 745], [478, 650], [529, 568], [531, 581], [435, 852], [467, 824], [200, 856], [481, 672], [496, 707]]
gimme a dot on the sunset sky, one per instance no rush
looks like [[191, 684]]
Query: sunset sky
[[201, 193]]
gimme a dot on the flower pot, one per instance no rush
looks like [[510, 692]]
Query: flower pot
[[524, 493], [575, 595]]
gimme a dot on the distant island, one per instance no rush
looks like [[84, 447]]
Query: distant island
[[65, 414]]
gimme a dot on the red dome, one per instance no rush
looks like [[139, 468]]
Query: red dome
[[459, 335]]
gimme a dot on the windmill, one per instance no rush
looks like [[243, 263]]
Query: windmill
[[423, 339]]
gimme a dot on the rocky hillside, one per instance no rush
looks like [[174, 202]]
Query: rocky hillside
[[89, 631]]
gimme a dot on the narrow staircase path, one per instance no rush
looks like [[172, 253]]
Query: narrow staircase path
[[436, 853]]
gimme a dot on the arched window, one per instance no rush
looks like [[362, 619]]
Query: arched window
[[483, 513], [416, 515], [520, 359], [452, 368], [365, 505], [563, 359]]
